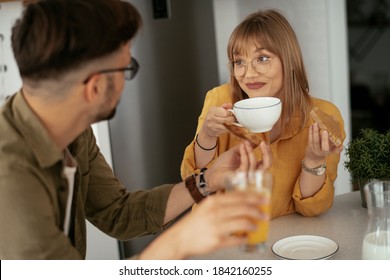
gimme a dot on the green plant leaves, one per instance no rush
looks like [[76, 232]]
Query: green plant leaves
[[368, 155]]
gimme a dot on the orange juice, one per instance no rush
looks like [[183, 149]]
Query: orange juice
[[260, 182], [260, 235]]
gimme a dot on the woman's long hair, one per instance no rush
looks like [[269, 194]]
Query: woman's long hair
[[271, 30]]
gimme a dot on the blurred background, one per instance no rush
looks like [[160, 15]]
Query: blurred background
[[369, 43], [182, 53]]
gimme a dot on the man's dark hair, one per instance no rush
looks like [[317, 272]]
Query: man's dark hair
[[56, 36]]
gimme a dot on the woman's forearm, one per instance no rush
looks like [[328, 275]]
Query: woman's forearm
[[205, 149]]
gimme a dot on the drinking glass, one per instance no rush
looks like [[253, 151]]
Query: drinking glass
[[260, 182], [376, 243]]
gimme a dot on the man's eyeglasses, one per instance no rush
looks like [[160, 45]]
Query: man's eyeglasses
[[129, 71]]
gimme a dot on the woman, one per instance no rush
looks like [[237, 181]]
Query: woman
[[265, 60]]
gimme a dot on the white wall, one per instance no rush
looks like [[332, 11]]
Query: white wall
[[99, 245], [321, 28], [339, 77], [9, 80]]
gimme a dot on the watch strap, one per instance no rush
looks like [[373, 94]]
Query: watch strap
[[190, 183]]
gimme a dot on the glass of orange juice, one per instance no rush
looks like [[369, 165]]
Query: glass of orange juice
[[260, 182]]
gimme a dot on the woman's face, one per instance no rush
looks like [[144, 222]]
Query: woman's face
[[254, 83]]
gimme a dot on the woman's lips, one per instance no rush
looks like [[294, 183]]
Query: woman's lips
[[254, 85]]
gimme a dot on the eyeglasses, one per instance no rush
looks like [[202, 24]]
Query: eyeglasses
[[238, 67], [129, 71]]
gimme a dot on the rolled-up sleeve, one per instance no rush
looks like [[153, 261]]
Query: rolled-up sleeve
[[113, 209], [323, 199]]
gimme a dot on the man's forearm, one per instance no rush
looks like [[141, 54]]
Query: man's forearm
[[179, 200]]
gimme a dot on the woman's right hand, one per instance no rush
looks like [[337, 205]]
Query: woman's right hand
[[215, 118]]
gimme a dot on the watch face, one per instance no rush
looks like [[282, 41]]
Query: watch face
[[320, 171]]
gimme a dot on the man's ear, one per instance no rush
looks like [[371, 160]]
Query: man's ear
[[93, 88]]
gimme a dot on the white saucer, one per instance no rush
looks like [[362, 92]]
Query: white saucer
[[305, 247]]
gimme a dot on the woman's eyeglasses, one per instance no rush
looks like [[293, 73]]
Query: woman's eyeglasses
[[238, 67]]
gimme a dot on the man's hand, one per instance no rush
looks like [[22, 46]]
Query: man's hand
[[239, 158], [209, 227]]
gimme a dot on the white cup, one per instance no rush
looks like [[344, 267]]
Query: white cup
[[258, 114]]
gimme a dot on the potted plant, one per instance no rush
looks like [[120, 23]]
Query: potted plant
[[368, 158]]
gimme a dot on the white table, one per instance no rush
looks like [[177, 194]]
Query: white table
[[345, 223]]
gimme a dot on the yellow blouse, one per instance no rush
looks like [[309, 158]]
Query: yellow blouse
[[288, 152]]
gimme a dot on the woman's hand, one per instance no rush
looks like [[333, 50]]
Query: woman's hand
[[215, 118], [319, 146], [239, 158], [208, 135]]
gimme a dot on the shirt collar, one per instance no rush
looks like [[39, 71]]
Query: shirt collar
[[34, 132]]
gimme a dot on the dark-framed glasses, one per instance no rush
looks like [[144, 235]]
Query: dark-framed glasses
[[238, 67], [129, 71]]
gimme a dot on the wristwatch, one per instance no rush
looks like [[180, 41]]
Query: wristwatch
[[317, 171], [190, 183]]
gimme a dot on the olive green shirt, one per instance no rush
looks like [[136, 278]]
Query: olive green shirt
[[34, 189]]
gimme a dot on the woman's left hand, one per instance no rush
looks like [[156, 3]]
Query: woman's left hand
[[319, 145]]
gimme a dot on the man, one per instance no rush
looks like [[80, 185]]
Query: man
[[73, 56]]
